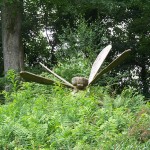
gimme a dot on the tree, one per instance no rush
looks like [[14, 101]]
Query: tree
[[47, 17], [11, 34], [130, 24]]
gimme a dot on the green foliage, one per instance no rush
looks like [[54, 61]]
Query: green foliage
[[2, 82], [12, 79], [51, 117], [130, 24], [73, 67], [11, 84], [83, 41]]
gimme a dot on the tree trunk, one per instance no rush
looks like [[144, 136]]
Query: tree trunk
[[11, 35]]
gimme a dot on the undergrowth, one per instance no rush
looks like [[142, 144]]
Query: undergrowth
[[52, 117]]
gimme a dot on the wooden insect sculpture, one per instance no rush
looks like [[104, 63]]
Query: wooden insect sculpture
[[80, 83]]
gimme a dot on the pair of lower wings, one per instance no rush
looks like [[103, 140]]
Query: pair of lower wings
[[94, 74]]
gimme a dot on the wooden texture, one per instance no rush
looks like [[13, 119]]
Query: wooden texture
[[98, 62], [56, 75], [113, 64], [30, 77], [11, 35]]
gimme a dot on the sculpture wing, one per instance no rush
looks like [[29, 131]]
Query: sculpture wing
[[30, 77], [57, 76], [113, 64], [98, 62]]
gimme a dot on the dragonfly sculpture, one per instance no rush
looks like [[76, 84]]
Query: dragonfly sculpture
[[79, 83]]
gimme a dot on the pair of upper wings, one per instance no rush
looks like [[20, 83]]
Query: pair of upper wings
[[94, 74]]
